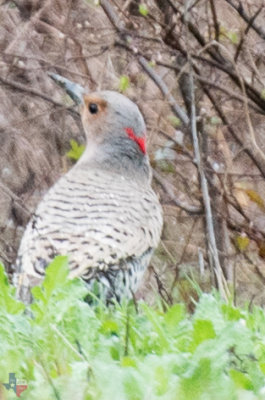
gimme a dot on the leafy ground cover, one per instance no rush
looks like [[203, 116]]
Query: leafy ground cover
[[66, 349]]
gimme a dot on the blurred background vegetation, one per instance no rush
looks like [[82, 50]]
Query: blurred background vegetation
[[170, 57]]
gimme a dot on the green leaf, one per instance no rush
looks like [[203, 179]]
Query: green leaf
[[110, 327], [256, 198], [76, 150], [215, 120], [241, 242], [175, 121], [166, 166], [231, 313], [132, 388], [202, 330], [115, 352], [152, 63], [262, 367], [162, 380], [233, 37], [7, 295], [241, 380], [38, 293], [143, 10], [196, 384], [55, 277], [157, 324], [124, 83], [56, 274], [262, 94], [128, 362], [174, 315]]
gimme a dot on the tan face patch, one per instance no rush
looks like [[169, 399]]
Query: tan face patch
[[101, 103], [93, 115]]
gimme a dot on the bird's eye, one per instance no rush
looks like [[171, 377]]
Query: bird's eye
[[93, 108]]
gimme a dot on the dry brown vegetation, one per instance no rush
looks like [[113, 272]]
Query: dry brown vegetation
[[196, 69]]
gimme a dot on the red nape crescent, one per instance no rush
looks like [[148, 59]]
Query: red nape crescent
[[139, 140]]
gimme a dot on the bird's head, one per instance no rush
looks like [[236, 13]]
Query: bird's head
[[109, 119]]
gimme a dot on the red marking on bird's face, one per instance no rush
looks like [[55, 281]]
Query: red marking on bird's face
[[139, 140]]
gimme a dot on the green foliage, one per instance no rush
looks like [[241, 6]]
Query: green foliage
[[232, 36], [7, 301], [152, 63], [215, 120], [175, 121], [143, 10], [262, 94], [67, 349], [256, 198], [76, 150], [241, 242], [124, 83]]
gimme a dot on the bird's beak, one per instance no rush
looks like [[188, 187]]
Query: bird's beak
[[74, 90]]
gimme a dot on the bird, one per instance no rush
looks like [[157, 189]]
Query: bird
[[103, 213]]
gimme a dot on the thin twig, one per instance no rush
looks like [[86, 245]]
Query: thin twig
[[250, 23], [216, 60], [24, 88], [164, 89], [251, 91], [127, 332], [19, 203], [176, 68], [232, 94], [193, 29], [192, 210], [183, 253], [54, 389], [239, 8], [111, 14], [164, 294], [254, 146], [253, 155], [114, 19], [206, 197], [215, 20], [67, 343]]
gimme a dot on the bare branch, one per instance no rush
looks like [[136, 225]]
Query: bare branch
[[239, 8], [34, 92], [192, 210], [215, 20], [114, 19], [250, 23], [251, 152], [206, 198], [164, 89], [19, 203]]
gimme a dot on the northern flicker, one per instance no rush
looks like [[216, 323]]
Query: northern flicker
[[103, 212]]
